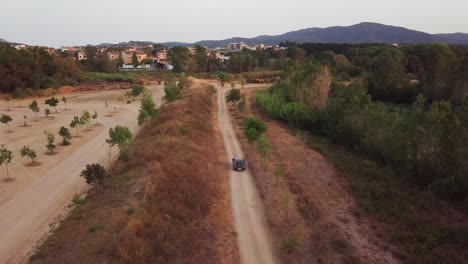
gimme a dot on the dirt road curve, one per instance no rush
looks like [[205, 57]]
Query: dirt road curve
[[43, 192], [253, 239]]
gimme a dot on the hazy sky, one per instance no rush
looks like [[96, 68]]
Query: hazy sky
[[78, 22]]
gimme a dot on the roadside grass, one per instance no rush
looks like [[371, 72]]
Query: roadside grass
[[169, 225], [78, 200], [423, 228], [95, 77]]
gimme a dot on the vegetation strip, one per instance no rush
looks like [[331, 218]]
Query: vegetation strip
[[159, 203]]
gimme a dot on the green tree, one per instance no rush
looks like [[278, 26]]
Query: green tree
[[52, 102], [233, 96], [120, 61], [50, 141], [94, 173], [171, 91], [135, 60], [120, 136], [47, 112], [64, 100], [28, 152], [180, 58], [148, 108], [252, 135], [137, 91], [201, 58], [387, 77], [6, 119], [264, 149], [76, 123], [65, 134], [182, 81], [19, 95], [6, 156], [35, 108], [241, 106], [85, 118]]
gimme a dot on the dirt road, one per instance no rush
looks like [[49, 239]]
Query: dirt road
[[38, 195], [253, 238]]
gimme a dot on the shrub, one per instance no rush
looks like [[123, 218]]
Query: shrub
[[50, 141], [233, 96], [254, 122], [172, 92], [77, 200], [94, 173], [28, 152], [290, 243], [65, 134]]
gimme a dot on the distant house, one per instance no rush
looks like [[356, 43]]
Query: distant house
[[127, 57], [223, 58], [113, 55], [19, 47], [192, 50], [80, 56], [161, 55]]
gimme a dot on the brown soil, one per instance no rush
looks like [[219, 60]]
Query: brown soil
[[33, 163], [165, 204], [38, 195], [320, 214]]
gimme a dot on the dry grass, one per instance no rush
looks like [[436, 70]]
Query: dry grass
[[167, 204]]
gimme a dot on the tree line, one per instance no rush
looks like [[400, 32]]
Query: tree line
[[425, 141], [34, 68], [399, 74]]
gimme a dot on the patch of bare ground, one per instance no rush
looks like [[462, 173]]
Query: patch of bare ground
[[309, 208], [168, 203]]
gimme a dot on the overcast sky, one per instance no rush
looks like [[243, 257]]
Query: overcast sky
[[78, 22]]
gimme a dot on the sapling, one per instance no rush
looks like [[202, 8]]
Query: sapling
[[65, 134], [85, 118], [35, 108], [26, 151], [52, 102], [6, 156], [47, 112], [50, 141], [6, 119]]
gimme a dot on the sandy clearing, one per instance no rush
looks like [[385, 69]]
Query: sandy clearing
[[253, 237], [38, 195]]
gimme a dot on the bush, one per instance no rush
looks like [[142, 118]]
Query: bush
[[95, 77], [94, 173], [253, 128], [172, 92], [290, 243]]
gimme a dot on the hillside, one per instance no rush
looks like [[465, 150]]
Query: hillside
[[359, 33], [365, 32]]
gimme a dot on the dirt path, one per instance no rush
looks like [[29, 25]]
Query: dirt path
[[39, 194], [253, 238]]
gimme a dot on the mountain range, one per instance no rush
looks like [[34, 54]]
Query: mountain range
[[365, 32], [360, 33]]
